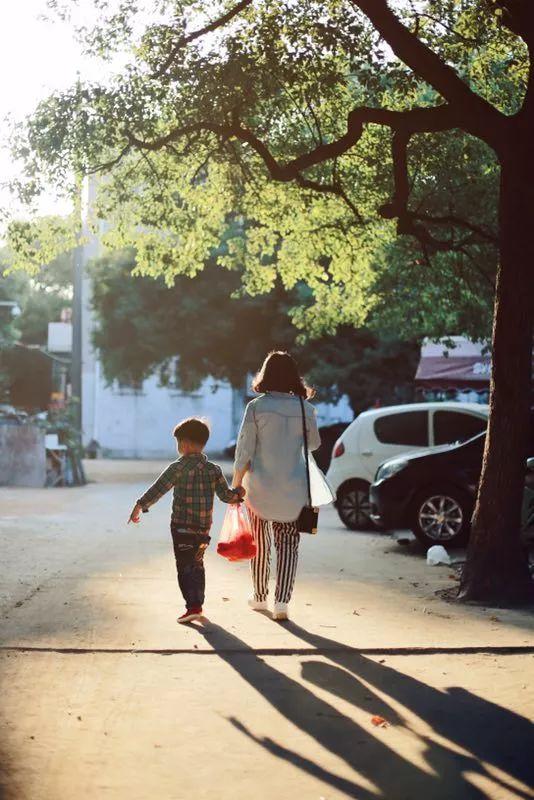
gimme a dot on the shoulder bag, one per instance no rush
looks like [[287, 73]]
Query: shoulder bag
[[309, 516]]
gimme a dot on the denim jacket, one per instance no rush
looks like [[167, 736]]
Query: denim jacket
[[271, 439]]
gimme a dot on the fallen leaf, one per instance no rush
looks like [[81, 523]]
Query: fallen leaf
[[495, 619], [226, 599], [357, 613], [379, 722]]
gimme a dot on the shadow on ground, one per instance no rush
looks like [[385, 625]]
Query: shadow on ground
[[489, 735]]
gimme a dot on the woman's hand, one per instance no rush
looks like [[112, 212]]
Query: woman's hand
[[239, 492], [239, 474]]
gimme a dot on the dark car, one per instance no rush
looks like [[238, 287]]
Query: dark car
[[433, 493], [329, 436]]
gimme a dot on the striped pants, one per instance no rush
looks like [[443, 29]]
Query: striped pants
[[286, 542]]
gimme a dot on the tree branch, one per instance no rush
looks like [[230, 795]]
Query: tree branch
[[329, 188], [479, 117], [419, 120], [105, 166], [408, 222], [403, 125], [451, 219], [188, 38]]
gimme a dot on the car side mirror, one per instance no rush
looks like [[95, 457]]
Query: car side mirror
[[530, 464]]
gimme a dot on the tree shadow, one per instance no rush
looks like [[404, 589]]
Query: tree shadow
[[445, 774]]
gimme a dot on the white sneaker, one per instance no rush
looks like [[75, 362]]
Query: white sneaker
[[257, 605], [281, 611]]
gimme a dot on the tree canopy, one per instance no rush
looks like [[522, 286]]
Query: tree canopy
[[201, 326], [219, 99]]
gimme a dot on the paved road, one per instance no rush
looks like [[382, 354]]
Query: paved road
[[103, 695]]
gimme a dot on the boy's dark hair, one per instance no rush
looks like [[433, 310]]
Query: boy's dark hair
[[193, 429]]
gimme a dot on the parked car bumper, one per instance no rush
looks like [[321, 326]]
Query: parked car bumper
[[342, 470], [390, 502]]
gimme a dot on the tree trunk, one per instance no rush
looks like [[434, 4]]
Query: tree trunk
[[496, 570]]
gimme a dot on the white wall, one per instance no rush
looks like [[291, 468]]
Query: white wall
[[130, 424], [328, 413]]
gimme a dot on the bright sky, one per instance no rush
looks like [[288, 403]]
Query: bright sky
[[36, 57]]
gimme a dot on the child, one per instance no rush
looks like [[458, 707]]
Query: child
[[195, 481]]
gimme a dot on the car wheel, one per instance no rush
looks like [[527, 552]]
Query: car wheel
[[442, 515], [353, 506]]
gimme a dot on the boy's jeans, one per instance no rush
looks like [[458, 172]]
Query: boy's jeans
[[189, 547]]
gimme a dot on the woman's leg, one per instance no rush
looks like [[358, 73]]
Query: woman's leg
[[260, 565], [286, 541]]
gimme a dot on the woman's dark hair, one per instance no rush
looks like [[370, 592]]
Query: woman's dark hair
[[279, 373]]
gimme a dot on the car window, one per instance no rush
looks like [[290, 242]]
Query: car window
[[455, 426], [409, 428]]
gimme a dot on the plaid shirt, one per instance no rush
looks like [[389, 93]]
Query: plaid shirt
[[195, 480]]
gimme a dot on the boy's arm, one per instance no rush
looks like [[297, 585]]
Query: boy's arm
[[161, 486], [224, 492]]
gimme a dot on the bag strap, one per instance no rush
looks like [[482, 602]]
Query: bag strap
[[306, 456]]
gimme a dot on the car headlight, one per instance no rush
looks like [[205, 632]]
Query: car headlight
[[390, 468]]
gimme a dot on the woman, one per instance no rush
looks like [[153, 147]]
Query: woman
[[269, 461]]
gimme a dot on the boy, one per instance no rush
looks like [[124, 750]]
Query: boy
[[195, 481]]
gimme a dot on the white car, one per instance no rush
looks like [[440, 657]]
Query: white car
[[382, 433]]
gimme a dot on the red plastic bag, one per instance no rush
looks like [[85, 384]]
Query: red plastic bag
[[236, 542]]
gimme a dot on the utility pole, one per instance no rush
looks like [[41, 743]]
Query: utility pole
[[77, 312]]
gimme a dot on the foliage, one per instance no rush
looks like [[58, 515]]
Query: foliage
[[40, 298], [40, 240], [192, 132], [64, 422], [370, 367], [144, 324]]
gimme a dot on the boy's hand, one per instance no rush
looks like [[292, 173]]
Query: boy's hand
[[240, 492], [135, 516]]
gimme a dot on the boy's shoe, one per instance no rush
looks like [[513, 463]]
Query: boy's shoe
[[190, 614], [257, 605], [281, 611]]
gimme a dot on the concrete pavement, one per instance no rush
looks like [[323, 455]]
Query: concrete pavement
[[103, 695]]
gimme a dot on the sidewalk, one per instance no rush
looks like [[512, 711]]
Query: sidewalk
[[116, 700]]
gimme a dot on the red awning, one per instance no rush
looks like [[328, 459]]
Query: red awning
[[454, 372], [466, 365]]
